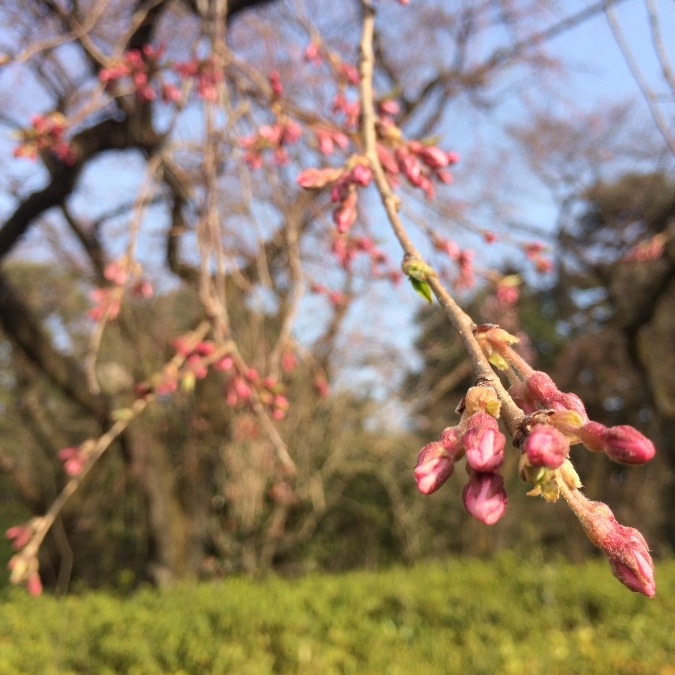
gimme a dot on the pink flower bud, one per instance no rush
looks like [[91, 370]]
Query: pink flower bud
[[313, 53], [288, 361], [73, 460], [225, 364], [434, 466], [483, 443], [542, 389], [205, 348], [387, 160], [484, 497], [318, 178], [321, 385], [546, 446], [34, 584], [361, 175], [433, 157], [170, 93], [388, 107], [196, 367], [19, 536], [410, 166], [242, 390], [627, 445], [637, 572], [274, 79], [344, 217], [625, 547]]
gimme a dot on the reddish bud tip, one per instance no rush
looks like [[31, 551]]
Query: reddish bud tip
[[546, 446], [434, 466], [483, 443], [627, 445]]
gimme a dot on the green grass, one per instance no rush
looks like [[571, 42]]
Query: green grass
[[504, 616]]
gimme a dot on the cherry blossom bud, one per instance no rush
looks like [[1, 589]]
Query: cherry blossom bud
[[288, 361], [196, 367], [484, 497], [321, 385], [434, 466], [450, 248], [116, 273], [170, 93], [19, 536], [73, 460], [275, 83], [225, 364], [542, 389], [507, 295], [345, 215], [627, 445], [387, 160], [318, 178], [546, 446], [313, 53], [625, 547], [410, 166], [433, 157], [638, 573], [34, 584], [361, 175], [483, 443], [242, 390], [388, 107]]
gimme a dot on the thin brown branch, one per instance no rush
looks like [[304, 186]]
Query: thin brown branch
[[98, 448], [646, 91], [461, 321]]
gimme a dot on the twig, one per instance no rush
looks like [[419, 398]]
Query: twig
[[645, 89], [462, 322], [99, 447]]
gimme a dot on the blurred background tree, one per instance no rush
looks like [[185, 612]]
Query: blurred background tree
[[183, 175]]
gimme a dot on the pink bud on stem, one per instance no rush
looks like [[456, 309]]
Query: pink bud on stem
[[484, 497], [622, 443], [625, 547], [542, 389], [434, 466], [483, 443], [546, 446]]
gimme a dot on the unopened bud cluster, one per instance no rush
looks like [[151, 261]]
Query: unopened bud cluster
[[565, 422], [553, 422], [476, 438]]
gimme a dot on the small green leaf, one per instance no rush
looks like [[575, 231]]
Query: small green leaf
[[416, 269], [498, 361], [422, 288]]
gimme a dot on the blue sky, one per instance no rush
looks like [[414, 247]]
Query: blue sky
[[598, 74]]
